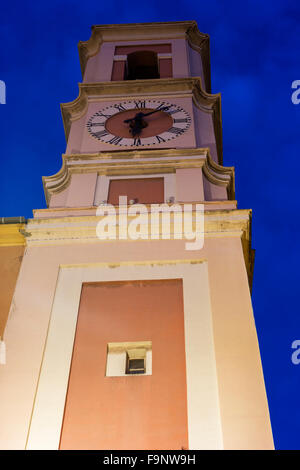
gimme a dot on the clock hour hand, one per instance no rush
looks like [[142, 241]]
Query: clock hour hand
[[137, 117], [136, 126]]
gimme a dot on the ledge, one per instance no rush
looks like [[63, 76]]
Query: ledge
[[12, 234], [139, 162]]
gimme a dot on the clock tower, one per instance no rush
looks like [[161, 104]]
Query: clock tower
[[124, 333]]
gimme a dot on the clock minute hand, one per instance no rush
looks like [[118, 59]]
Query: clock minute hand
[[156, 111], [141, 115]]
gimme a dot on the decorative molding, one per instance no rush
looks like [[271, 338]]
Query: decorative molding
[[125, 162], [136, 162], [249, 252], [82, 229], [125, 346], [12, 234], [220, 175], [200, 43], [164, 55], [122, 58], [91, 210]]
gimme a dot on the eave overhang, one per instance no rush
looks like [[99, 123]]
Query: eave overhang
[[139, 162]]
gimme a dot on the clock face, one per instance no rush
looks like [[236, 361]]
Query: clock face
[[139, 123]]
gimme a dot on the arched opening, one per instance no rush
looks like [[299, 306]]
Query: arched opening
[[142, 65]]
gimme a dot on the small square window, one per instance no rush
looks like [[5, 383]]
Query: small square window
[[135, 366], [135, 361], [129, 358]]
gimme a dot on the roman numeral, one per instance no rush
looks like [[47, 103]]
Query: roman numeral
[[137, 141], [103, 115], [140, 104], [175, 130], [173, 111], [162, 106], [115, 140], [120, 107], [159, 139], [98, 124], [101, 133], [176, 121]]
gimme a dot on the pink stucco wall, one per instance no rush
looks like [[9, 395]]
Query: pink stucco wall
[[195, 64], [213, 192], [204, 131], [189, 185], [81, 190]]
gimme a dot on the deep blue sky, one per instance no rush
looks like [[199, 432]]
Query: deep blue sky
[[255, 56]]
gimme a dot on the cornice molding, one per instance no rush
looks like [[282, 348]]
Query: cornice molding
[[82, 229], [123, 163], [139, 162], [55, 212], [220, 175], [188, 86], [12, 235], [200, 43]]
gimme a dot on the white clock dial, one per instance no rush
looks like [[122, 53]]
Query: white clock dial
[[158, 122]]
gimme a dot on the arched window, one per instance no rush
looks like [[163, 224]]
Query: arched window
[[142, 65]]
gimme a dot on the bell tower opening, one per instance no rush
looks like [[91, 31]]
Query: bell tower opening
[[142, 65]]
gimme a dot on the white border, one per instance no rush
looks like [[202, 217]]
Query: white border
[[204, 422]]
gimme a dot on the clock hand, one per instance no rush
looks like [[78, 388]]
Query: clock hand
[[136, 126], [137, 117], [141, 115], [156, 111]]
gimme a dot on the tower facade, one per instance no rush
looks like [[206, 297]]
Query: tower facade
[[126, 331]]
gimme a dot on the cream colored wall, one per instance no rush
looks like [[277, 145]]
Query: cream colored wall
[[243, 401], [242, 398]]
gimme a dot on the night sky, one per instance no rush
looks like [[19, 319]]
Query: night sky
[[255, 57]]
